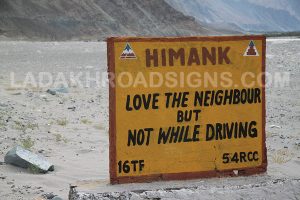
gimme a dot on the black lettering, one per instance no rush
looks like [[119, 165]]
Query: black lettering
[[163, 136], [210, 132], [243, 157], [128, 108], [196, 133]]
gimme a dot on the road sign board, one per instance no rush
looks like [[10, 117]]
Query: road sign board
[[186, 107]]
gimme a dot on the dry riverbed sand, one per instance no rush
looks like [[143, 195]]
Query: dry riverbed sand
[[71, 129]]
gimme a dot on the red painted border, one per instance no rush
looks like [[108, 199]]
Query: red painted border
[[112, 110], [185, 175]]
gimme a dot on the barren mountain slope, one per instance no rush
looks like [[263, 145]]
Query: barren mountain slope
[[93, 19]]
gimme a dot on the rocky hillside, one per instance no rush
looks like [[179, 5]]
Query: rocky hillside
[[244, 15], [93, 19]]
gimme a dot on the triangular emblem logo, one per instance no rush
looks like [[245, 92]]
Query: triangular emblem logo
[[251, 50], [128, 52]]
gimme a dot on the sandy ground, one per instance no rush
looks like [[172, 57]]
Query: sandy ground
[[71, 129]]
